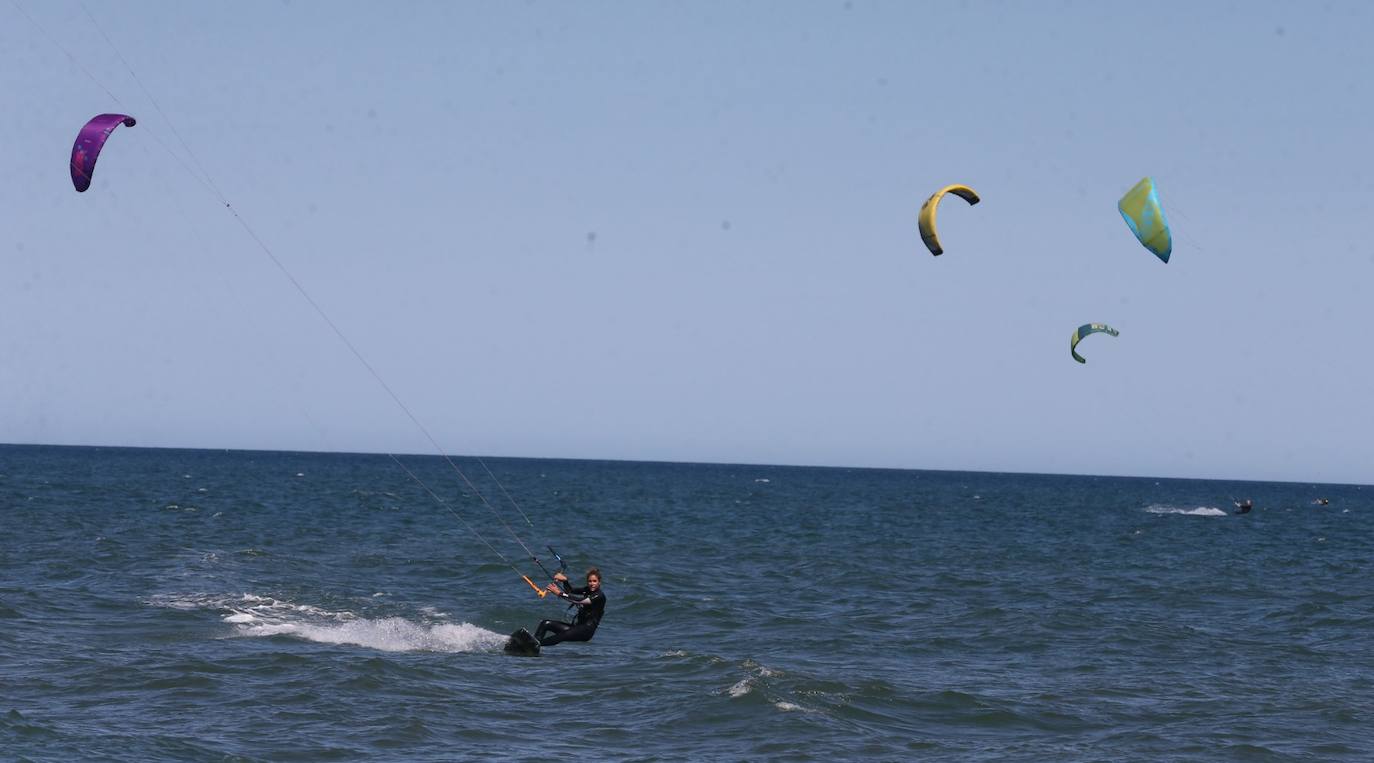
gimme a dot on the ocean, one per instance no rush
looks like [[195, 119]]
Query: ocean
[[213, 605]]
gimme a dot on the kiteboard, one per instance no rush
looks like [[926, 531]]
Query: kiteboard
[[522, 644]]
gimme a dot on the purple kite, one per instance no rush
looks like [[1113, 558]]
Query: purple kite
[[88, 144]]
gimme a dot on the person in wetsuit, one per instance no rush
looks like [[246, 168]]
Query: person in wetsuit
[[590, 603]]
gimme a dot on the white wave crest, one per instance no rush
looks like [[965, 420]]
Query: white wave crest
[[390, 634], [262, 616], [1197, 511], [757, 672]]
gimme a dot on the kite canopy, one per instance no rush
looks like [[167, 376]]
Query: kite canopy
[[926, 220], [88, 143], [1140, 207], [1083, 331]]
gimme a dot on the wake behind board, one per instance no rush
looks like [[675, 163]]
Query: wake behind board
[[522, 644]]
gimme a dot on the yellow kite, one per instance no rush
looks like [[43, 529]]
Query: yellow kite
[[1140, 207], [926, 220]]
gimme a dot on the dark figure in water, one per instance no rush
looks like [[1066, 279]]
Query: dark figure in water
[[1244, 507], [590, 603]]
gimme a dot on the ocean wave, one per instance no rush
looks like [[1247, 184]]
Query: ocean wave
[[1196, 511], [247, 605], [390, 634], [264, 616], [15, 724], [756, 673]]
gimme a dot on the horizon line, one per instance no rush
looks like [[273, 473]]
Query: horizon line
[[384, 454]]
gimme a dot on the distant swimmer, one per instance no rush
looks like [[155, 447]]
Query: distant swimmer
[[1244, 507], [590, 603]]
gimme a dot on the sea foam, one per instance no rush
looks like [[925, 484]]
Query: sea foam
[[389, 634], [264, 616], [1197, 511]]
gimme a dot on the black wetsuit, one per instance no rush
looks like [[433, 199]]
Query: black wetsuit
[[582, 627]]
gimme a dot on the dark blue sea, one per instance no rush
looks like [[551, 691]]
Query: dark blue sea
[[210, 605]]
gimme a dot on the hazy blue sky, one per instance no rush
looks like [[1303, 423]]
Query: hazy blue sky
[[687, 231]]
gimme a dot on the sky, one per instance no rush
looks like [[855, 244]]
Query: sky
[[687, 232]]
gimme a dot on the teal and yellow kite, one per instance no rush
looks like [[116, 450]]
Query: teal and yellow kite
[[1084, 330], [1140, 207]]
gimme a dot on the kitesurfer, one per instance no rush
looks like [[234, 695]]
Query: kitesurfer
[[1244, 507], [589, 600]]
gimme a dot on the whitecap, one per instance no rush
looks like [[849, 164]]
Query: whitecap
[[1197, 511], [746, 684], [389, 634], [261, 616], [182, 601]]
